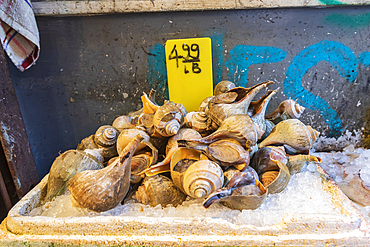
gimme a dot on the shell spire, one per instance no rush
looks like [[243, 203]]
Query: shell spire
[[288, 109]]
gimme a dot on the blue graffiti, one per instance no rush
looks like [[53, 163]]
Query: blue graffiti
[[364, 58], [242, 56], [343, 60], [157, 71]]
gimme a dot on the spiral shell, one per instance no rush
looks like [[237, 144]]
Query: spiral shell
[[181, 159], [223, 87], [203, 106], [87, 143], [105, 138], [270, 164], [106, 135], [265, 159], [202, 178], [159, 190], [168, 119], [172, 146], [292, 133], [226, 152], [198, 121], [258, 108], [288, 109]]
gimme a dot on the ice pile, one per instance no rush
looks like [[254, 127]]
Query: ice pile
[[325, 144], [303, 195]]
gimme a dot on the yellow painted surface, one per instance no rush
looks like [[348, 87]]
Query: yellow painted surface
[[189, 71]]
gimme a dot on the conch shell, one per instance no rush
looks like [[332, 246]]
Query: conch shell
[[293, 134], [194, 174], [157, 190], [288, 109], [172, 146], [105, 137], [148, 103], [68, 164], [203, 106], [199, 121], [218, 112], [269, 162], [101, 190], [223, 87], [142, 160], [202, 178], [239, 127], [123, 122], [168, 119], [126, 136], [226, 152], [242, 192]]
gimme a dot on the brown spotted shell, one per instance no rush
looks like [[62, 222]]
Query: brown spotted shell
[[292, 133], [101, 190], [159, 190]]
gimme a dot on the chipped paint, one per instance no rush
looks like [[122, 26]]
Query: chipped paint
[[9, 139]]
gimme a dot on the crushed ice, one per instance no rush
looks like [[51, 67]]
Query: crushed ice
[[303, 195]]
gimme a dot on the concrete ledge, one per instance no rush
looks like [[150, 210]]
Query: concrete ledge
[[128, 6]]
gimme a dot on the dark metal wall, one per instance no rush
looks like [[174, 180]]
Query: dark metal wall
[[95, 68]]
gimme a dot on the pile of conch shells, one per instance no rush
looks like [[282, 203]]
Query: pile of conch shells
[[229, 152]]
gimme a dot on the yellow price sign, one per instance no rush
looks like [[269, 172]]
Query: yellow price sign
[[189, 71]]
